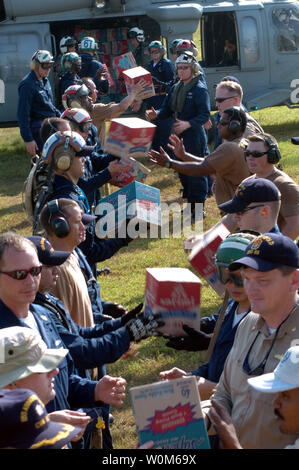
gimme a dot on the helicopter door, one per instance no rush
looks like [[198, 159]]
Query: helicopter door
[[284, 48], [18, 42], [253, 41]]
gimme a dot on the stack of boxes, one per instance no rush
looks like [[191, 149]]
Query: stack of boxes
[[112, 42]]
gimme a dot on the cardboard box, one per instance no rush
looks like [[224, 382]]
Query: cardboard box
[[169, 413], [129, 137], [175, 292], [202, 254], [124, 62], [133, 76], [139, 173], [136, 201]]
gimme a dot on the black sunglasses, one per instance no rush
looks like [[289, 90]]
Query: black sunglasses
[[254, 154], [220, 100], [258, 370], [21, 274], [249, 209], [85, 126]]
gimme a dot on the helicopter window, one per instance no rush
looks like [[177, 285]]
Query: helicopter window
[[219, 40], [250, 37], [286, 22]]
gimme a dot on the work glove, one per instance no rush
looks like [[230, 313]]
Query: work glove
[[144, 326], [114, 310], [195, 341], [131, 314]]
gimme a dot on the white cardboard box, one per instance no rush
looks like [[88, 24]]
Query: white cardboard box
[[202, 254], [174, 292], [169, 413], [133, 76], [129, 137]]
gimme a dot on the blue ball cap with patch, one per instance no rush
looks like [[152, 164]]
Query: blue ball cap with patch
[[269, 251], [249, 191]]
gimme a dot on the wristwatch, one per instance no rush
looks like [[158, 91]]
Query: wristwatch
[[168, 164]]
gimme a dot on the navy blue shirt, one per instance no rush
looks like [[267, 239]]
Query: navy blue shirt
[[90, 68], [35, 103]]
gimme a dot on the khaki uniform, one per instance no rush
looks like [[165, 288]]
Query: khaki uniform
[[251, 410], [230, 167]]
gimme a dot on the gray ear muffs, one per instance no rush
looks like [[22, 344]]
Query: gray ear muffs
[[64, 156], [57, 220]]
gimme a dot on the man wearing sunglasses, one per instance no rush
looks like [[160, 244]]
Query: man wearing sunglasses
[[255, 206], [270, 271], [262, 154], [20, 272], [36, 101], [230, 93]]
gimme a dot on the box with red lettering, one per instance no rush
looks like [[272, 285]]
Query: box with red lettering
[[129, 137], [133, 76], [202, 254], [175, 293]]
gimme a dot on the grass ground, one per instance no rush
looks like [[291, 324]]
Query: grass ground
[[126, 282]]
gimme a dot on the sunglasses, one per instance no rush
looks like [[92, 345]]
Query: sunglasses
[[249, 209], [225, 275], [220, 100], [224, 123], [254, 154], [183, 67], [21, 274], [46, 66]]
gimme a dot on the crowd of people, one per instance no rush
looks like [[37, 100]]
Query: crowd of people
[[58, 333]]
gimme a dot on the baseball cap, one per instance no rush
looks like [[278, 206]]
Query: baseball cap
[[269, 251], [46, 253], [25, 353], [251, 190], [284, 377], [25, 423]]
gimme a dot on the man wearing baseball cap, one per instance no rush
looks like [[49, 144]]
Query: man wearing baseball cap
[[255, 205], [270, 271], [284, 383]]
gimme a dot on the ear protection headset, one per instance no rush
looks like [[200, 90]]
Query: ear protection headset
[[57, 220], [235, 122], [63, 156], [273, 154]]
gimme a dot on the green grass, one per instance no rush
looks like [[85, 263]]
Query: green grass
[[126, 282]]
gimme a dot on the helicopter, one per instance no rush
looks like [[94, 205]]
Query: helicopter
[[256, 41]]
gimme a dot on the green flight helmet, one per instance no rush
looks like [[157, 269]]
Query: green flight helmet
[[173, 45], [233, 247]]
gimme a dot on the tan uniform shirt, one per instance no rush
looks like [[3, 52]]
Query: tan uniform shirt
[[71, 289], [100, 113], [251, 410], [230, 167], [289, 191]]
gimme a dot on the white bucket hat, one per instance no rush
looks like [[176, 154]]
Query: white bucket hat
[[24, 353], [284, 377]]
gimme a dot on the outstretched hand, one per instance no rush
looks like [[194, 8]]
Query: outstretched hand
[[111, 390], [177, 146], [160, 158]]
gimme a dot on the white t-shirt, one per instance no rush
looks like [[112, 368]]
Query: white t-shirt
[[30, 321]]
